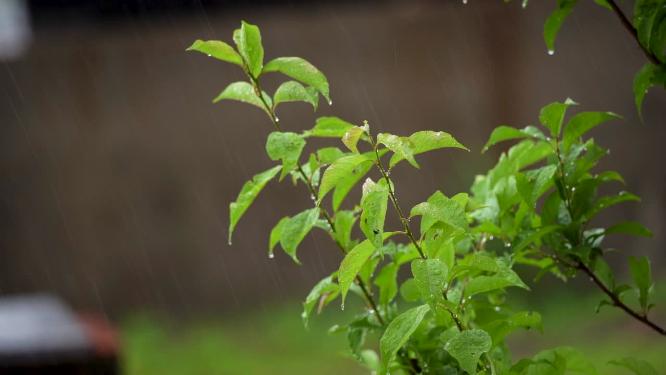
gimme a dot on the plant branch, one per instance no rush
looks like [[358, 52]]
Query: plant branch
[[617, 302], [313, 192], [632, 30], [394, 200]]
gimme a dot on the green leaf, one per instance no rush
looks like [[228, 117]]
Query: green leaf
[[248, 42], [500, 328], [534, 184], [603, 271], [326, 285], [374, 203], [386, 281], [292, 91], [583, 122], [399, 145], [552, 115], [505, 133], [439, 208], [287, 147], [345, 184], [328, 155], [341, 170], [409, 290], [430, 276], [642, 276], [427, 140], [276, 234], [398, 332], [295, 230], [608, 201], [501, 280], [649, 75], [244, 92], [300, 70], [554, 22], [629, 227], [352, 136], [217, 49], [467, 347], [247, 195], [329, 127], [343, 224], [637, 366], [558, 361], [353, 262]]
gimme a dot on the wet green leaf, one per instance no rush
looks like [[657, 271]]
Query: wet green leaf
[[642, 276], [398, 332], [244, 92], [292, 91], [554, 22], [552, 115], [247, 195], [374, 203], [217, 49], [636, 366], [248, 42], [467, 347], [430, 276], [325, 286], [295, 230], [300, 70], [329, 127]]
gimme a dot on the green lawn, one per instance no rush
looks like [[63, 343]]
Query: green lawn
[[273, 341]]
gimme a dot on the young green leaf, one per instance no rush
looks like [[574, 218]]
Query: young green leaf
[[248, 42], [430, 276], [583, 122], [217, 49], [329, 127], [345, 184], [400, 146], [276, 234], [353, 262], [467, 347], [427, 140], [244, 92], [501, 280], [300, 70], [649, 75], [292, 91], [608, 201], [642, 276], [247, 195], [500, 328], [636, 366], [629, 227], [504, 133], [439, 208], [287, 147], [295, 230], [398, 332], [386, 281], [341, 170], [343, 224], [374, 203], [552, 115], [554, 22], [352, 136], [326, 285]]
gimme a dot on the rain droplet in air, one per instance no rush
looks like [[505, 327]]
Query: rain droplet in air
[[551, 52], [464, 1]]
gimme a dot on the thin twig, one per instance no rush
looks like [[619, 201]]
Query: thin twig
[[617, 302], [632, 30], [394, 200]]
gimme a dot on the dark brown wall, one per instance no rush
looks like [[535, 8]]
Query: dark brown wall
[[116, 169]]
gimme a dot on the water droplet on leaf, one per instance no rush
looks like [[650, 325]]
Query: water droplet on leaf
[[551, 52]]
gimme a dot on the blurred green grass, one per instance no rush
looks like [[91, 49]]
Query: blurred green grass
[[274, 341]]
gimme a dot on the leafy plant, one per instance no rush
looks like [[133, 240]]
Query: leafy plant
[[451, 315], [647, 27]]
